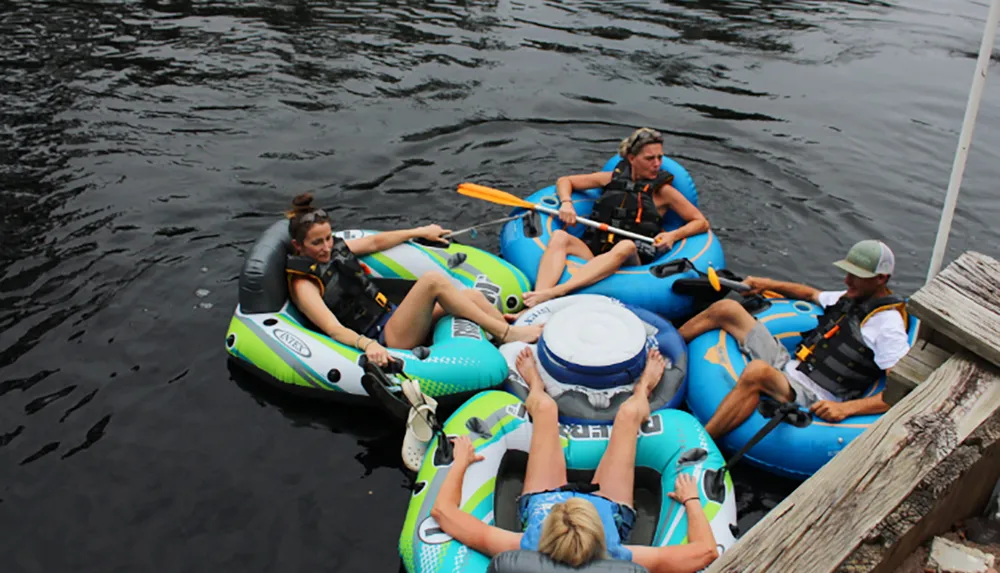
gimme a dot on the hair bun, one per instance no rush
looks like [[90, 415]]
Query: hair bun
[[303, 201]]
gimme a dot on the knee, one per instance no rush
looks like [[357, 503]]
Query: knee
[[624, 250], [560, 239], [434, 279], [725, 310], [754, 375]]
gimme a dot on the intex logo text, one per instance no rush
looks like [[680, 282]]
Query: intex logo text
[[293, 342]]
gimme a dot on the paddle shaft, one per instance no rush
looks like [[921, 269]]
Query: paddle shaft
[[481, 225], [596, 225], [734, 285]]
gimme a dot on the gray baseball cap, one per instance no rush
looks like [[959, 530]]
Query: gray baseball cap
[[867, 259]]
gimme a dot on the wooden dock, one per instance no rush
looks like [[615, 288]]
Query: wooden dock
[[930, 461]]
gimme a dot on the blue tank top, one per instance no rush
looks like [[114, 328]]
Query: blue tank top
[[536, 507]]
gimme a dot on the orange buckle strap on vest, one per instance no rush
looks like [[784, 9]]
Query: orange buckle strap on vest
[[638, 199], [382, 300], [804, 351]]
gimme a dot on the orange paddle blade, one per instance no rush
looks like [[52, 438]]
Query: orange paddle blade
[[713, 279], [493, 195]]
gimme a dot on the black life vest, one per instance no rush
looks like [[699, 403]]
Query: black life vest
[[346, 289], [628, 205], [834, 354]]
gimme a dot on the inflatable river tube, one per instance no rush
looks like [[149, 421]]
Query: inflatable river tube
[[523, 241], [671, 441], [715, 363], [591, 353], [269, 336]]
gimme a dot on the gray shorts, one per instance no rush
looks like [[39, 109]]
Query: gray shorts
[[761, 345]]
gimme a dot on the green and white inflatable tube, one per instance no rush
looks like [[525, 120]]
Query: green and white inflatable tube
[[270, 338], [672, 441]]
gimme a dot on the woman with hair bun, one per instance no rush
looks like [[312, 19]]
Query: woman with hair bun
[[327, 282]]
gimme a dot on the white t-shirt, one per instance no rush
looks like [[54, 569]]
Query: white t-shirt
[[884, 333]]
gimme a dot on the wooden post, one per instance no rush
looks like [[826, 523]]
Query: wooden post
[[929, 461]]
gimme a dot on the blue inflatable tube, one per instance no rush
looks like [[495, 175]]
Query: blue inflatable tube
[[637, 286], [715, 363]]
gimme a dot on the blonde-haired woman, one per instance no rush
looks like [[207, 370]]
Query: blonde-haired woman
[[571, 526], [636, 196]]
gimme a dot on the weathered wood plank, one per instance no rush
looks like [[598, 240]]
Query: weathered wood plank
[[957, 488], [918, 364], [963, 303], [823, 522]]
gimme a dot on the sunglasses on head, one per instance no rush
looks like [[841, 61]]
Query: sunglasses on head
[[313, 216], [644, 138]]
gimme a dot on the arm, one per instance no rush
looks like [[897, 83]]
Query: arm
[[307, 298], [567, 184], [695, 555], [788, 289], [698, 552], [389, 239], [838, 411], [463, 527], [676, 201]]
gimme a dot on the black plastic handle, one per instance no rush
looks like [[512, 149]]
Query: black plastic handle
[[395, 365]]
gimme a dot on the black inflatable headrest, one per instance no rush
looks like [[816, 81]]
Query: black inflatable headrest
[[534, 562], [263, 286]]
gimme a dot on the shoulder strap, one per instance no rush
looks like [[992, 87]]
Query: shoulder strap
[[622, 170], [891, 302], [304, 267], [661, 179]]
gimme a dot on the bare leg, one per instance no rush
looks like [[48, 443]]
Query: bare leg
[[727, 314], [601, 266], [758, 377], [477, 298], [553, 263], [616, 473], [546, 460], [413, 319]]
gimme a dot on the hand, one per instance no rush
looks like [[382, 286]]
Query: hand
[[433, 233], [664, 241], [831, 411], [757, 285], [685, 487], [567, 213], [464, 452], [377, 353]]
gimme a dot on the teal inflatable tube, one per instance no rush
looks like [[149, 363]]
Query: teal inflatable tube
[[671, 442], [523, 241]]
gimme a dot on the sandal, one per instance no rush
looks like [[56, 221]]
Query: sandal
[[420, 423]]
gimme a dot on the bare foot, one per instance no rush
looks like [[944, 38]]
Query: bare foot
[[535, 402], [526, 367], [537, 297], [652, 373], [527, 334], [512, 317]]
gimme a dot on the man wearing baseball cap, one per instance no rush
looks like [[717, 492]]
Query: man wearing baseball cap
[[861, 335]]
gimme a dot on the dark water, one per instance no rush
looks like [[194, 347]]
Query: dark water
[[143, 145]]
